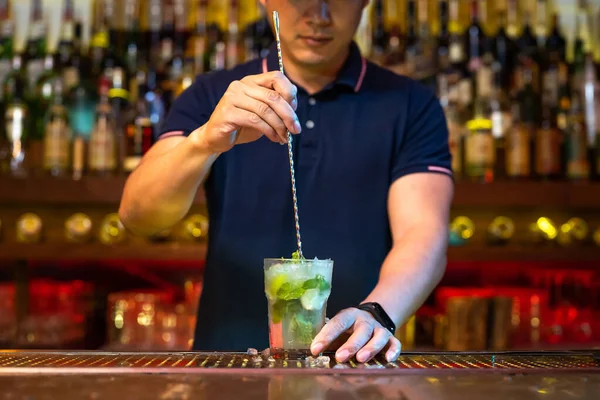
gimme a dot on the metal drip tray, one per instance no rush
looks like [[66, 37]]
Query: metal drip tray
[[187, 362]]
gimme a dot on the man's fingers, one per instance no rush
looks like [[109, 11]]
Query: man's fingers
[[282, 110], [332, 329], [394, 350], [265, 113], [379, 340], [277, 81], [247, 119], [362, 333]]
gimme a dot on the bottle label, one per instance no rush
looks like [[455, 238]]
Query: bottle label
[[5, 68], [465, 90], [15, 123], [103, 155], [454, 142], [551, 87], [576, 147], [480, 152], [518, 153], [70, 77], [547, 152], [501, 122], [56, 149], [35, 68]]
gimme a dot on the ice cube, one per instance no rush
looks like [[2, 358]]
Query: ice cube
[[252, 352], [313, 299]]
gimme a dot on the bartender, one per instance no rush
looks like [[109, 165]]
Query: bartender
[[373, 176]]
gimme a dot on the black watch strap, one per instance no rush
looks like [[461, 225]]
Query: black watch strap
[[379, 314]]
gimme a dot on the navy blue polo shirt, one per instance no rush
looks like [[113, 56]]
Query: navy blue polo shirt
[[359, 134]]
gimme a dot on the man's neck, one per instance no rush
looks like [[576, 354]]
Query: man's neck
[[314, 78]]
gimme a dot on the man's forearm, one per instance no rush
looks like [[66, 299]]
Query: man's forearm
[[410, 272], [161, 190]]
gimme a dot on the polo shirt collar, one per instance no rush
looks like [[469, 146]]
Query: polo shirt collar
[[351, 75]]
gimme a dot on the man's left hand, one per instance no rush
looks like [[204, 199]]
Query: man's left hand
[[367, 337]]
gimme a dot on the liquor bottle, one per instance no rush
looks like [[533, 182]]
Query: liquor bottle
[[197, 45], [456, 129], [29, 228], [35, 48], [176, 65], [554, 61], [501, 230], [543, 230], [412, 39], [57, 137], [519, 139], [460, 83], [67, 48], [82, 99], [541, 23], [462, 229], [425, 59], [140, 131], [528, 55], [576, 147], [480, 155], [6, 42], [590, 98], [579, 52], [556, 41], [379, 36], [132, 40], [234, 43], [512, 13], [102, 159], [112, 230], [167, 32], [195, 227], [394, 58], [41, 99], [17, 119], [504, 51], [502, 119], [548, 146], [475, 38], [78, 228]]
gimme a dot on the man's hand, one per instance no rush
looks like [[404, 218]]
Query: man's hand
[[257, 105], [367, 337]]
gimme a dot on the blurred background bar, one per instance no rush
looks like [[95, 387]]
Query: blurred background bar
[[86, 84]]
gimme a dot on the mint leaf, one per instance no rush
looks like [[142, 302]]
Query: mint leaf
[[283, 307], [319, 282], [296, 255], [302, 329], [289, 291]]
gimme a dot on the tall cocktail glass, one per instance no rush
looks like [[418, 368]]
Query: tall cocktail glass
[[297, 292]]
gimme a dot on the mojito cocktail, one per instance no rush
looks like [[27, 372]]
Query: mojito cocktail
[[297, 291]]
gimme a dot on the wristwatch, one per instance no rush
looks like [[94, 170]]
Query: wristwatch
[[379, 314]]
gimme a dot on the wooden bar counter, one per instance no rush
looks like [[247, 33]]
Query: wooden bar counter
[[36, 375]]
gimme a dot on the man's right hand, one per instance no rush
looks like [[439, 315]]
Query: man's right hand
[[257, 105]]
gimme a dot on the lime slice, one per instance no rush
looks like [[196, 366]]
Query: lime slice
[[275, 284]]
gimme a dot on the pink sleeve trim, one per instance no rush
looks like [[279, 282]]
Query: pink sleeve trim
[[170, 134], [440, 169]]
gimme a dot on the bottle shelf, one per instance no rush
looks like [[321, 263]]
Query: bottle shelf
[[100, 252], [47, 191], [174, 251], [51, 191], [515, 253]]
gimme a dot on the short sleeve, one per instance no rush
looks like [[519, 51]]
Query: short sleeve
[[423, 143], [190, 110]]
